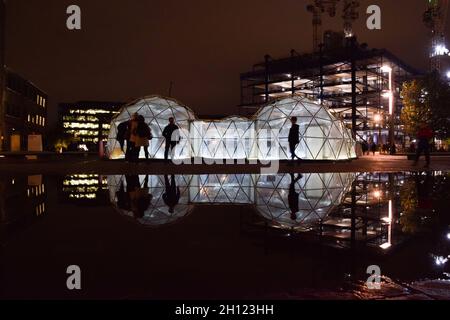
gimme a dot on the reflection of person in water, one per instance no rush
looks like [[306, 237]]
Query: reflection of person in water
[[139, 196], [123, 198], [293, 196], [172, 196]]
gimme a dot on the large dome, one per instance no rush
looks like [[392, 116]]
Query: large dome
[[156, 110], [314, 195], [322, 135], [147, 201]]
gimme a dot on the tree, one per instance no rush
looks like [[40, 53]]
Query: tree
[[58, 140], [426, 99]]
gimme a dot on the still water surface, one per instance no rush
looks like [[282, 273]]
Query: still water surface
[[219, 236]]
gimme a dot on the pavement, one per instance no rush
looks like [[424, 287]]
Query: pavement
[[377, 163], [426, 290]]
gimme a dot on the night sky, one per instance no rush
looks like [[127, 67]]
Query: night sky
[[128, 49]]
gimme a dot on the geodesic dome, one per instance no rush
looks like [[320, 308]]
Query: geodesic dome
[[264, 137], [315, 196], [157, 213], [322, 135], [222, 188], [229, 138], [156, 110], [318, 195]]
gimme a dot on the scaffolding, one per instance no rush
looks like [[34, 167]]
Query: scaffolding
[[360, 85]]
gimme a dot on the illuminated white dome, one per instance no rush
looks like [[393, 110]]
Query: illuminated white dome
[[322, 136], [312, 198], [156, 211], [315, 196], [156, 110], [263, 137]]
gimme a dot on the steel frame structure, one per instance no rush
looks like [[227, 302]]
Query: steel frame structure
[[350, 80]]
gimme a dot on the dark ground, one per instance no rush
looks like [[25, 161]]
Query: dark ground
[[69, 165]]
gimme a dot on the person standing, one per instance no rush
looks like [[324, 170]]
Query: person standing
[[144, 136], [170, 133], [424, 136], [373, 148], [294, 138], [122, 129], [172, 195], [133, 138], [293, 196]]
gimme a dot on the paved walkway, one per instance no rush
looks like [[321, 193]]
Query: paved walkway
[[421, 290], [92, 165]]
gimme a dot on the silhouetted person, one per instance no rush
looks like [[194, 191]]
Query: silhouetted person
[[140, 198], [293, 196], [294, 138], [170, 135], [133, 138], [365, 147], [123, 198], [424, 136], [144, 135], [373, 148], [172, 195], [121, 136]]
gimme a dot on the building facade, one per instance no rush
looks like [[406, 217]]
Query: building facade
[[24, 112], [359, 85], [88, 122], [2, 69]]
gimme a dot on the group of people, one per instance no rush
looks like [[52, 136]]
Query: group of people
[[136, 134], [369, 147], [136, 197]]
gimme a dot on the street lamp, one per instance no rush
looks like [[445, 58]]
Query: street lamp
[[379, 121], [390, 95]]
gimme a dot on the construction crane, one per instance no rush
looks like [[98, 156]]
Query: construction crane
[[317, 9], [350, 14], [435, 18]]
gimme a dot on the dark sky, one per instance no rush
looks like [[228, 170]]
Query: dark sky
[[128, 49]]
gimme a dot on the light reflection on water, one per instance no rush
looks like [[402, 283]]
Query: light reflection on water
[[402, 215]]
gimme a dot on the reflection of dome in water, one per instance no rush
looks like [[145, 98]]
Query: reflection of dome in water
[[313, 199], [222, 189], [156, 212], [315, 194]]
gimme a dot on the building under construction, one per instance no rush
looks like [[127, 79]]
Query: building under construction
[[360, 85]]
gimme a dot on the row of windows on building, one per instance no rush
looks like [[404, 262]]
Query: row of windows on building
[[86, 125], [36, 119], [16, 112], [36, 190], [41, 101], [40, 209], [87, 133], [23, 87]]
